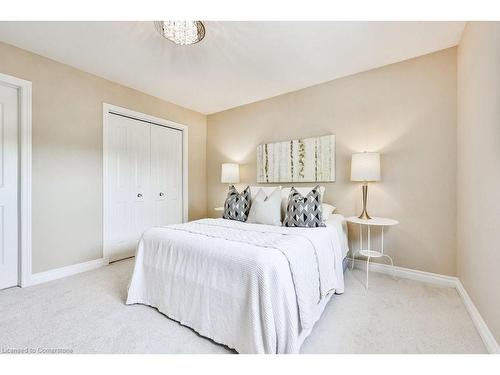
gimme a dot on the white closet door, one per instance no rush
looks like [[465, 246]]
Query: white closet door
[[9, 253], [128, 185], [166, 175]]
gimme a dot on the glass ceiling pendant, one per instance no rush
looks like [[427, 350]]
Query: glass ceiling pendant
[[181, 32]]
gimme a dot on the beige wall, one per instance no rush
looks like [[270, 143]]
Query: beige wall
[[478, 177], [406, 111], [67, 154]]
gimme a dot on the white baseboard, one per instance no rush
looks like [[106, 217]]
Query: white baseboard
[[407, 273], [442, 280], [483, 330], [58, 273]]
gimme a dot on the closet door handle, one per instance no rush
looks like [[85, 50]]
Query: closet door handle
[[139, 195], [161, 194]]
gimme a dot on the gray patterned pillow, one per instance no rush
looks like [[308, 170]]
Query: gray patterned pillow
[[304, 211], [237, 205]]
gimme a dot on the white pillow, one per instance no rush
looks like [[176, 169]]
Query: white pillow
[[266, 209], [326, 210], [303, 190], [268, 190]]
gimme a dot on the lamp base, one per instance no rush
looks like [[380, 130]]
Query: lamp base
[[364, 215]]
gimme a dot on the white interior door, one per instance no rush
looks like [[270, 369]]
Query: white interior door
[[166, 175], [9, 214], [128, 185]]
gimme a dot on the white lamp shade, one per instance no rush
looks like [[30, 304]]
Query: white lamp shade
[[230, 173], [365, 166]]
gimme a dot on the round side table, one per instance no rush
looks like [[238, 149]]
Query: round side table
[[368, 251]]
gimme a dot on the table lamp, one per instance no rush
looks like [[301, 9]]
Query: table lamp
[[230, 173], [365, 167]]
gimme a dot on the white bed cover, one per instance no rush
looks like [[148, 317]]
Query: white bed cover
[[254, 288]]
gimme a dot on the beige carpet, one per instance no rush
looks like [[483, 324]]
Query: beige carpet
[[86, 314]]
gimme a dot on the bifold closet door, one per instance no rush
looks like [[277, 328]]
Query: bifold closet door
[[166, 175], [128, 185], [143, 186]]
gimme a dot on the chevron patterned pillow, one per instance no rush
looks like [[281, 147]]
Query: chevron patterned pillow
[[304, 211], [237, 204]]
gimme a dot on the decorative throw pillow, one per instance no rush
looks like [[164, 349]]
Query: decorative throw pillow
[[304, 211], [266, 209], [237, 204], [285, 193]]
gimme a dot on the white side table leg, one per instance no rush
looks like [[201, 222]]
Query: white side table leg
[[382, 242], [367, 271], [368, 260], [360, 237], [360, 246], [387, 256], [369, 238]]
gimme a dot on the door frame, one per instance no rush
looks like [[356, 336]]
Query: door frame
[[24, 89], [107, 109]]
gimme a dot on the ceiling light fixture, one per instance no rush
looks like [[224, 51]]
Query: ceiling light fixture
[[181, 32]]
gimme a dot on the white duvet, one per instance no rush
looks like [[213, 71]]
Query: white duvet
[[255, 288]]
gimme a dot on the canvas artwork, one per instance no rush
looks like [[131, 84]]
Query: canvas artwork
[[300, 160]]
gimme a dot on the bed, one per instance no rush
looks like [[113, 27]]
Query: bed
[[254, 288]]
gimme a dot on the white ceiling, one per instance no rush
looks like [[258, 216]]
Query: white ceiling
[[237, 62]]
